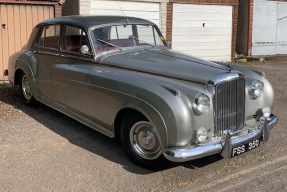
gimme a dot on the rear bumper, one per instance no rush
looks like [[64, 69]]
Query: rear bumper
[[228, 141]]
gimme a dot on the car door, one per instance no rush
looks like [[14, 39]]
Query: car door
[[47, 54], [70, 74]]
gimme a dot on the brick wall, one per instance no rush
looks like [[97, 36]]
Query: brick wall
[[251, 8], [58, 11], [242, 31], [234, 30], [169, 21]]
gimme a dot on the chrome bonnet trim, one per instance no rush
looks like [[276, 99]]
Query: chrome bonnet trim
[[225, 145], [224, 76]]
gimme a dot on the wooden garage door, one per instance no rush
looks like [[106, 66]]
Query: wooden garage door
[[203, 30], [145, 10], [17, 22]]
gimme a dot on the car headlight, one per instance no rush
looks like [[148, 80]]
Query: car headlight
[[201, 104], [257, 89]]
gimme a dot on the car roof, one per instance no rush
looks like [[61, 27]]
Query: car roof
[[91, 20]]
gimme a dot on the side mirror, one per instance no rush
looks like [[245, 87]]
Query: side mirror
[[85, 50]]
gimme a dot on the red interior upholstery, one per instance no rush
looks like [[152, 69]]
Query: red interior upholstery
[[72, 43]]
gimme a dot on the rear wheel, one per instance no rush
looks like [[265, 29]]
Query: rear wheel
[[26, 89], [140, 141]]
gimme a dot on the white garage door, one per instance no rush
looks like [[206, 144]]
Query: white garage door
[[203, 30], [149, 11], [269, 28]]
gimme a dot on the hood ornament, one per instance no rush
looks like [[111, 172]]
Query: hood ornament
[[229, 66]]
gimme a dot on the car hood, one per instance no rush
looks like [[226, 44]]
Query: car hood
[[166, 63]]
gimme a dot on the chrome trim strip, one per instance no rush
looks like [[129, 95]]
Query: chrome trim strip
[[225, 146], [224, 76]]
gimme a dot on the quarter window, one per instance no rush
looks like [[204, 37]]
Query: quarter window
[[50, 37]]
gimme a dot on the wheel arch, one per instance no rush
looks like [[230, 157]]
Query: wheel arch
[[152, 115], [23, 66], [17, 76]]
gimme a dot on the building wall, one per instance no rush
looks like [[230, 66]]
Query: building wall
[[243, 27], [18, 19], [85, 9], [269, 28], [233, 3], [71, 7], [251, 8]]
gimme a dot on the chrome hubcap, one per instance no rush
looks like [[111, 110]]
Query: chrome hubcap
[[26, 88], [144, 140]]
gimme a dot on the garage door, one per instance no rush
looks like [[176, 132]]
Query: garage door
[[17, 22], [149, 11], [269, 28], [203, 30]]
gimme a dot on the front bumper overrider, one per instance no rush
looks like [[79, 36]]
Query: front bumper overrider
[[228, 141]]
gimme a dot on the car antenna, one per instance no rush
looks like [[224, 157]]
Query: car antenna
[[123, 12]]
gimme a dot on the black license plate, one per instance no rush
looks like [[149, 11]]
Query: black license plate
[[245, 147]]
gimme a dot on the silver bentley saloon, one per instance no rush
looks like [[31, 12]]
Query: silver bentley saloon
[[118, 76]]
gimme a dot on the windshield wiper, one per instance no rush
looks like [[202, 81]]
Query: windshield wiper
[[131, 36], [110, 44]]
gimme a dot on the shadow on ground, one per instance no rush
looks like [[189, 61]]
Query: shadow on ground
[[81, 135]]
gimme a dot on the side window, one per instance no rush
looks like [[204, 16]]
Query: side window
[[76, 40], [50, 37]]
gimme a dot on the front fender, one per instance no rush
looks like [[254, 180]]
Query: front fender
[[173, 103], [267, 99]]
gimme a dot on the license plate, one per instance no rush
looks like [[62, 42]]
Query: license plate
[[245, 147]]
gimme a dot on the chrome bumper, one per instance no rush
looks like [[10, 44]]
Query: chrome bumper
[[225, 145]]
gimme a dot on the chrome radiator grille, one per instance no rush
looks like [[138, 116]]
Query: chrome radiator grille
[[229, 100]]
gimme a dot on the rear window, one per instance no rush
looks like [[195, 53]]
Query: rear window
[[50, 37]]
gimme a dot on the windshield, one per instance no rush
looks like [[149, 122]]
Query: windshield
[[122, 36]]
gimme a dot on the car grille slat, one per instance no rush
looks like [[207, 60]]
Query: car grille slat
[[229, 105]]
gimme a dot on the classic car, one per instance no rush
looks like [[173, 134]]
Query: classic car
[[118, 76]]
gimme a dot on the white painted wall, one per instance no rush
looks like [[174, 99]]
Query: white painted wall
[[203, 30], [153, 10], [269, 35], [145, 10], [282, 28]]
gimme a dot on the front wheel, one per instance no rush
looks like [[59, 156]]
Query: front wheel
[[26, 89], [140, 141]]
